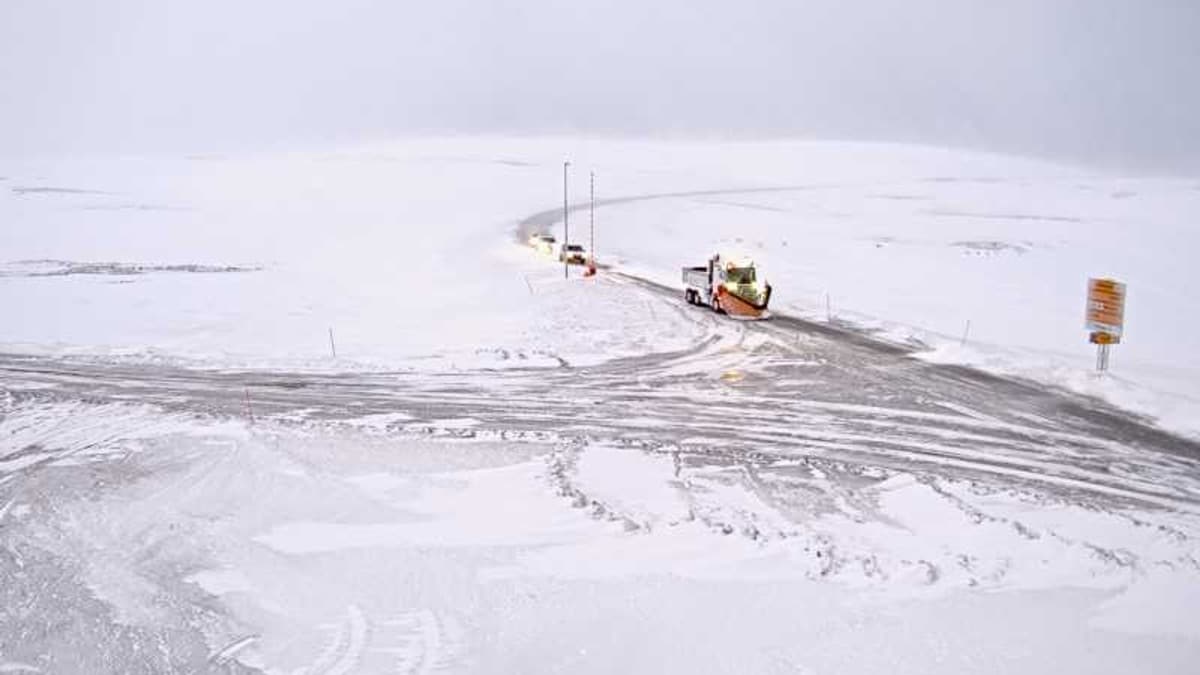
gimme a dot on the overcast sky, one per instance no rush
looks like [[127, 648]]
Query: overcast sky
[[1104, 80]]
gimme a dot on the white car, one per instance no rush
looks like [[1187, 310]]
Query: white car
[[573, 253], [543, 243]]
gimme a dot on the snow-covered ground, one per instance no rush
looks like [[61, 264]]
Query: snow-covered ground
[[406, 256], [302, 550], [405, 251], [444, 506]]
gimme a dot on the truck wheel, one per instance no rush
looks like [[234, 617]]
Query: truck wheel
[[716, 304], [689, 298]]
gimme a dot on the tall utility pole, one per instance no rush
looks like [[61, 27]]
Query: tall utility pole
[[566, 225], [592, 218]]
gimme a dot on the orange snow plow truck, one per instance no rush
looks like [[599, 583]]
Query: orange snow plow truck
[[728, 285]]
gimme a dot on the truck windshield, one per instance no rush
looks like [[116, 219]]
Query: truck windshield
[[740, 275]]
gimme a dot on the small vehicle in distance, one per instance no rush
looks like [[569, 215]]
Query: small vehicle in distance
[[573, 254], [543, 243]]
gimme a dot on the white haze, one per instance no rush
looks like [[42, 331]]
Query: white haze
[[1108, 81]]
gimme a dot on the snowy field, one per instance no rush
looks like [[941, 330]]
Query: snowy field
[[502, 470], [337, 550], [405, 251]]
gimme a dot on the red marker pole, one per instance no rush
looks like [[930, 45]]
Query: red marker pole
[[249, 410]]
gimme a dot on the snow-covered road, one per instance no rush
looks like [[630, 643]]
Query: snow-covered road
[[552, 476]]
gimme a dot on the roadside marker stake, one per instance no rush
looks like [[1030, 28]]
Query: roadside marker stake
[[528, 284], [249, 410], [966, 331], [332, 347], [828, 310]]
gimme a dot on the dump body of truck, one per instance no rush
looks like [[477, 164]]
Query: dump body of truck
[[727, 285]]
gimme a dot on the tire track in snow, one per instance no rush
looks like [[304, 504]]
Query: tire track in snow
[[978, 438], [423, 636], [344, 652], [408, 643]]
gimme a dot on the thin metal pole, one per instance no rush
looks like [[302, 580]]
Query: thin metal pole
[[1101, 358], [332, 347], [566, 226], [592, 217]]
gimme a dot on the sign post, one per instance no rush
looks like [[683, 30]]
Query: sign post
[[592, 218], [1105, 317], [566, 225]]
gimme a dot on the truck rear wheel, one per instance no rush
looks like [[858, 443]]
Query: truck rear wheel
[[716, 303]]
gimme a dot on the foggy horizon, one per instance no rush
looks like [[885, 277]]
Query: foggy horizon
[[1110, 83]]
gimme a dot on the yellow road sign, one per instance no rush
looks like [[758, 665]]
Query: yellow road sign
[[1106, 307]]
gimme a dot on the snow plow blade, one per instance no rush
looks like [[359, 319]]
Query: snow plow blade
[[738, 307]]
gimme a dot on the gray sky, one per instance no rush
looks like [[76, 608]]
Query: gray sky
[[1106, 80]]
